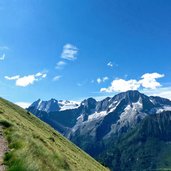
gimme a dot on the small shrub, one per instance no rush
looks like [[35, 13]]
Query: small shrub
[[54, 133], [1, 111], [8, 156], [28, 113], [52, 139], [15, 145], [5, 123]]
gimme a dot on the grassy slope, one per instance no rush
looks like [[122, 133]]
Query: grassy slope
[[35, 146]]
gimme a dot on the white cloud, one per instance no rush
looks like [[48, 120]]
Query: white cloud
[[161, 91], [120, 85], [60, 64], [99, 80], [56, 78], [69, 52], [26, 80], [44, 75], [24, 105], [105, 79], [148, 81], [110, 64], [12, 78], [102, 80], [40, 74], [2, 57]]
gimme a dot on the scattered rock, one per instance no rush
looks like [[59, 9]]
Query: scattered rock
[[3, 150]]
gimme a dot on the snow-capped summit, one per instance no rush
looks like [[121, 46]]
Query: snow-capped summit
[[46, 106], [52, 105]]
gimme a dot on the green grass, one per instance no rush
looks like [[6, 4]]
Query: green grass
[[35, 146]]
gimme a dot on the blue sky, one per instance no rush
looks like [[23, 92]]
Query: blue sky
[[77, 49]]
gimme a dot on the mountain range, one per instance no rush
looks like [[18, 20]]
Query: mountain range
[[105, 128]]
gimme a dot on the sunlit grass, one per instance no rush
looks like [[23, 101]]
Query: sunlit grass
[[35, 146]]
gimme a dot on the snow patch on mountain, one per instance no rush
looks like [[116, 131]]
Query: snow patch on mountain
[[165, 108], [67, 105], [97, 115], [130, 112], [80, 119], [128, 119], [113, 106]]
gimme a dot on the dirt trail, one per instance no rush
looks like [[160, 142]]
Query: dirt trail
[[3, 150]]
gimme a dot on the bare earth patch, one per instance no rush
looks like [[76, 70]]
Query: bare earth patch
[[3, 150]]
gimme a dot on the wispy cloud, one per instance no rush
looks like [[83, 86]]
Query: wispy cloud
[[102, 80], [56, 78], [69, 52], [111, 64], [60, 64], [147, 80], [41, 74], [25, 81], [2, 57], [12, 78], [3, 50]]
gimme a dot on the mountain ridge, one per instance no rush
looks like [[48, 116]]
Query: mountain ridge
[[90, 109]]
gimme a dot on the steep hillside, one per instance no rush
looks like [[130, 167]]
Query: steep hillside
[[147, 147], [35, 146]]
